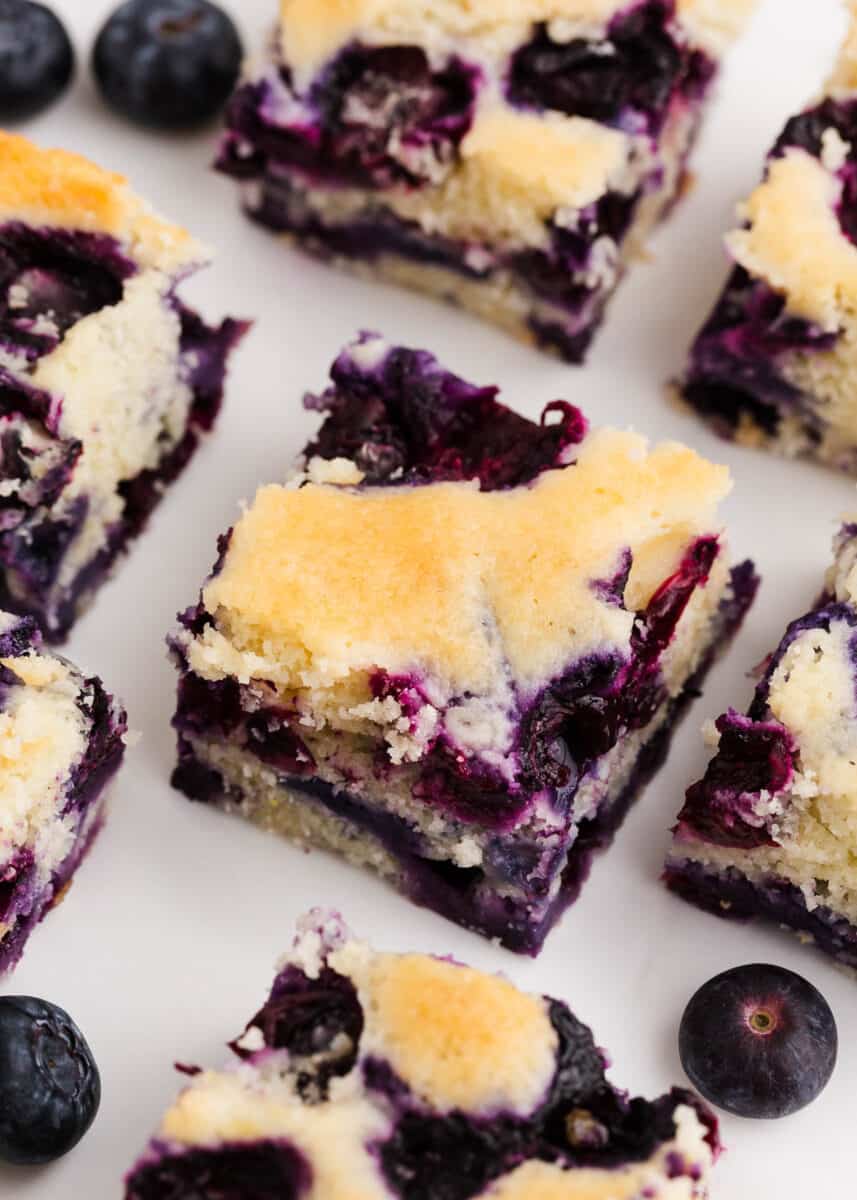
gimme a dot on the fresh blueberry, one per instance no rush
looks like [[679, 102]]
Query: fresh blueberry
[[759, 1041], [50, 1088], [170, 64], [36, 59]]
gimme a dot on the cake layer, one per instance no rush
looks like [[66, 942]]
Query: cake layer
[[775, 363], [61, 743], [771, 830], [509, 158], [107, 380], [432, 1081], [446, 647]]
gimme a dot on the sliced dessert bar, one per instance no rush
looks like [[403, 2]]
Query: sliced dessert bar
[[452, 648], [776, 363], [398, 1075], [61, 743], [107, 380], [771, 830], [509, 157]]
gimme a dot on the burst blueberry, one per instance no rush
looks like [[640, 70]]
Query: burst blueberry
[[759, 1041], [170, 64], [50, 1088], [36, 59]]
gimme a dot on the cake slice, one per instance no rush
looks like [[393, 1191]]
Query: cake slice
[[107, 379], [62, 738], [771, 831], [452, 648], [775, 365], [378, 1076], [509, 157]]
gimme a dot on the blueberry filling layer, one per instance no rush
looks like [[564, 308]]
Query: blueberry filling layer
[[514, 895], [376, 117], [410, 421], [735, 371], [566, 278], [50, 280], [265, 1170], [730, 894], [630, 77]]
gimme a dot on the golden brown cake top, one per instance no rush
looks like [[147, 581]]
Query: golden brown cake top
[[473, 591], [58, 189]]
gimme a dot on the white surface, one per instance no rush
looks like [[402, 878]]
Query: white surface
[[167, 941]]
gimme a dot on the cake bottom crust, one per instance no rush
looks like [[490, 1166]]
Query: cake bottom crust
[[312, 812], [733, 895]]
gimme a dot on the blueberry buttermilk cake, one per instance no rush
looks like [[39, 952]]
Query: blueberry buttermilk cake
[[774, 366], [770, 830], [62, 738], [379, 1076], [107, 380], [452, 647], [508, 155]]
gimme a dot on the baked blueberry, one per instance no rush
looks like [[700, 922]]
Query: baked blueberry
[[50, 1088], [36, 58], [759, 1041], [167, 63]]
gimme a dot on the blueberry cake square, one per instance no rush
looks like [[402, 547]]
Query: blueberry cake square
[[774, 365], [507, 155], [62, 738], [377, 1075], [107, 379], [770, 831], [452, 647]]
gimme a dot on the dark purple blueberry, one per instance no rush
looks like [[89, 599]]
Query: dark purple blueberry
[[50, 1088], [36, 59], [261, 1171], [170, 64], [758, 1041], [310, 1017]]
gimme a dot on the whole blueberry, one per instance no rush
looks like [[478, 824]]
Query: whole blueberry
[[759, 1041], [50, 1088], [169, 64], [36, 59]]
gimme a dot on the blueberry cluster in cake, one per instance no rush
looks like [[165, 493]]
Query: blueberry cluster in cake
[[509, 157], [61, 743], [385, 1075], [452, 647], [107, 379], [775, 363], [770, 830]]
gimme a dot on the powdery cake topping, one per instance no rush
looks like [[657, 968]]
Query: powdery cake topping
[[58, 189], [794, 240], [320, 583], [314, 30], [458, 1038]]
